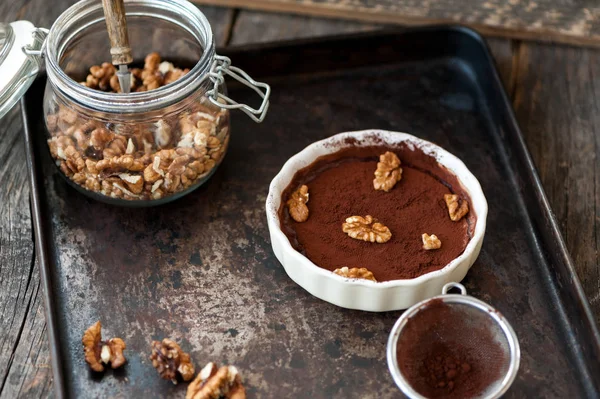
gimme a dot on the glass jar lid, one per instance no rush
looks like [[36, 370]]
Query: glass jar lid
[[17, 69]]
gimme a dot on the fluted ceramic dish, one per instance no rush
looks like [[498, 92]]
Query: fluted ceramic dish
[[363, 294]]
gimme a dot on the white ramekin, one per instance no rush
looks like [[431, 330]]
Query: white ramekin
[[364, 294]]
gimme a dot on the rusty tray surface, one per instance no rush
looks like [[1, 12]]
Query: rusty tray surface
[[201, 270]]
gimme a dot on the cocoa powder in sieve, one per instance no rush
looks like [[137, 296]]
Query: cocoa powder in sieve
[[341, 185], [447, 353]]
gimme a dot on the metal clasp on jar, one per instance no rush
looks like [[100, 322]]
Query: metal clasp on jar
[[222, 66], [39, 46]]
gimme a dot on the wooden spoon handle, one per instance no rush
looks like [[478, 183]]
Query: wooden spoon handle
[[114, 11]]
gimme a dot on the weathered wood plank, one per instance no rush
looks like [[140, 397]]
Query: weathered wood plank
[[557, 105], [23, 344], [24, 358], [568, 21], [503, 51], [40, 14], [558, 118], [258, 27]]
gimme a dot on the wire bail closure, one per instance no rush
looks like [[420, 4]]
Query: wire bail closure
[[39, 46], [222, 66]]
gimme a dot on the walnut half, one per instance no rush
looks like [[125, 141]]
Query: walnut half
[[366, 229], [213, 382], [456, 208], [388, 172], [98, 352], [169, 360], [431, 241], [355, 272], [297, 204]]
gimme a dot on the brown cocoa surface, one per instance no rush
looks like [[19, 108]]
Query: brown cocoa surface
[[341, 185], [444, 352]]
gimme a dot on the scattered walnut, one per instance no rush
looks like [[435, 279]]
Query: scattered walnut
[[431, 241], [169, 360], [355, 272], [213, 382], [388, 172], [366, 229], [98, 352], [456, 208], [297, 204]]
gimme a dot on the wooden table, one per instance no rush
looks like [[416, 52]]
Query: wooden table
[[555, 91]]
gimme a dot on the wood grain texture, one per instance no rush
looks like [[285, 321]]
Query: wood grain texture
[[557, 104], [24, 357], [556, 100], [567, 21], [259, 27], [503, 51], [23, 344], [41, 14]]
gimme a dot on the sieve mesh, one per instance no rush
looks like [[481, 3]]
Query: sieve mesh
[[453, 350]]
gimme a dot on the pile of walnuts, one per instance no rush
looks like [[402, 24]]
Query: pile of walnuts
[[138, 161], [171, 362]]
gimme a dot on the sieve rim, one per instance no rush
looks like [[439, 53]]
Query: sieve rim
[[464, 299]]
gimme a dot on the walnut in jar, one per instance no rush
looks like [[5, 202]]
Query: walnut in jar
[[119, 159]]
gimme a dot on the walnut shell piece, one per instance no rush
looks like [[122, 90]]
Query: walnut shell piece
[[297, 204], [170, 361], [431, 242], [388, 172], [355, 272], [457, 208], [98, 352], [213, 382], [367, 229]]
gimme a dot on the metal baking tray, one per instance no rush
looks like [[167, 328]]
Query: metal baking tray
[[201, 271]]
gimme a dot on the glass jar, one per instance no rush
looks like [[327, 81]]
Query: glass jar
[[145, 147]]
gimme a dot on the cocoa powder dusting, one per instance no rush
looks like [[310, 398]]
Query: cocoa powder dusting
[[341, 185], [447, 353]]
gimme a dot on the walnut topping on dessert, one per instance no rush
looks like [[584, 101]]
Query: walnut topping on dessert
[[355, 272], [297, 204], [431, 241], [388, 172], [98, 352], [213, 382], [169, 360], [456, 208], [366, 229]]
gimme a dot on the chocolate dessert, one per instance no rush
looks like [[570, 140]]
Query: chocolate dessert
[[400, 225]]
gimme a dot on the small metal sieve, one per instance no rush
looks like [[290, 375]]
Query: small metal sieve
[[453, 346]]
